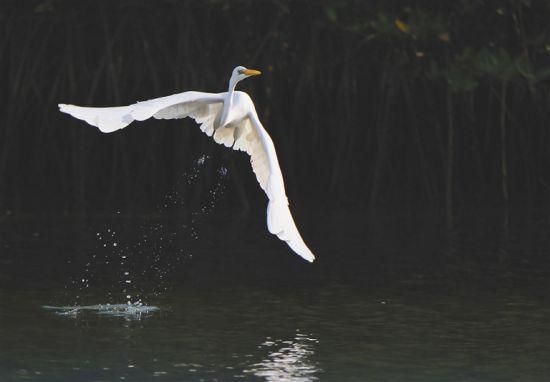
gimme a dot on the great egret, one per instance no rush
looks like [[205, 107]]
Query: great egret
[[229, 117]]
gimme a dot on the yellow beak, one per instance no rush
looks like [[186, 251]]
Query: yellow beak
[[251, 72]]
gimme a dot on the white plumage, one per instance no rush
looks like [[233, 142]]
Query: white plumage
[[231, 119]]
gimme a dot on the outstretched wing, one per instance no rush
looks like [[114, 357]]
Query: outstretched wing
[[247, 135], [203, 107], [268, 172], [250, 136]]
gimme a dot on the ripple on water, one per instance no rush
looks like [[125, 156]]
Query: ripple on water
[[129, 309]]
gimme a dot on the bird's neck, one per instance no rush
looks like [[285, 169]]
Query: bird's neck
[[228, 102], [231, 88]]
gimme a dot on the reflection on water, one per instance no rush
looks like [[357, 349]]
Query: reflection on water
[[287, 360]]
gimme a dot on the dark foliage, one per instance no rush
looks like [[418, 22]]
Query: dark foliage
[[376, 104]]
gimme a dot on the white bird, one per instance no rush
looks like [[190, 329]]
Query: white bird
[[231, 118]]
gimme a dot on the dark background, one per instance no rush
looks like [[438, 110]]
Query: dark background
[[425, 124]]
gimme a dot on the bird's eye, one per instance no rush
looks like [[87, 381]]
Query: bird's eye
[[241, 71]]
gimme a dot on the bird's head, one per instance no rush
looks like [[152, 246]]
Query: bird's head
[[240, 73]]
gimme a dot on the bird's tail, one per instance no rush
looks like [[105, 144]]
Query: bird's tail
[[107, 119]]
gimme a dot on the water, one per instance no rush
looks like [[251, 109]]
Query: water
[[395, 303], [334, 333]]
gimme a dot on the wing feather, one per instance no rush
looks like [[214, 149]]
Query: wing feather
[[266, 166], [203, 107], [254, 140]]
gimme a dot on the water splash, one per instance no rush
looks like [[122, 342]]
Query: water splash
[[129, 310], [215, 193], [157, 249]]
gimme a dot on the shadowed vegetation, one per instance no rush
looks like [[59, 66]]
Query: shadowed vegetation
[[373, 104]]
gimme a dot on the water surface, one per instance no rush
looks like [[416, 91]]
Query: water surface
[[403, 305], [334, 333]]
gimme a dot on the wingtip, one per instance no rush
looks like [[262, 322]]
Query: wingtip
[[309, 257], [63, 107]]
